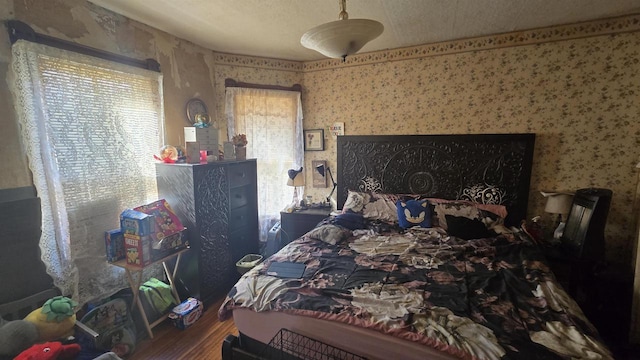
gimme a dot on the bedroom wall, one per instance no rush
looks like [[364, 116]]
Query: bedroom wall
[[578, 94], [575, 87], [188, 69]]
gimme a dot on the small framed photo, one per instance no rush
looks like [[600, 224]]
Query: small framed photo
[[314, 140]]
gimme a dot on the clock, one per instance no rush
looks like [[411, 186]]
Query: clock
[[196, 107]]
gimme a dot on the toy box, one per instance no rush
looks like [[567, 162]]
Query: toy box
[[187, 313], [138, 249], [168, 245], [114, 242], [166, 221], [135, 222]]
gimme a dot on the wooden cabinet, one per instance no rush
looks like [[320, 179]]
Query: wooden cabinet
[[217, 202], [298, 223]]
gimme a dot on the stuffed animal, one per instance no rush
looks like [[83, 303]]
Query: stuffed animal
[[413, 213], [55, 319], [50, 351], [16, 336]]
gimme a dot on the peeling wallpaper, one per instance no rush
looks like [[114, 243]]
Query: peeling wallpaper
[[577, 92]]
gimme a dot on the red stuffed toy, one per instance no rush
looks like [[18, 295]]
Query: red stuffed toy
[[50, 351]]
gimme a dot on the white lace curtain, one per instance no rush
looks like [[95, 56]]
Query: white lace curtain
[[90, 128], [272, 121]]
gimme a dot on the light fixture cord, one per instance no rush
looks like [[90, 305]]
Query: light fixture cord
[[343, 10]]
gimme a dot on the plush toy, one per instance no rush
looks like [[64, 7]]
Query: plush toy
[[50, 351], [16, 336], [413, 213], [55, 319]]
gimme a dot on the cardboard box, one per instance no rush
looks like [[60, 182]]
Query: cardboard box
[[135, 222], [187, 313], [166, 222], [168, 245], [114, 242], [138, 249]]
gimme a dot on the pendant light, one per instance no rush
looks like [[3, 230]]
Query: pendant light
[[343, 37]]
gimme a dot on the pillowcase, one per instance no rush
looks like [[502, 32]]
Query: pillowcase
[[355, 202], [468, 210], [413, 213], [467, 229], [331, 234], [374, 206], [499, 210]]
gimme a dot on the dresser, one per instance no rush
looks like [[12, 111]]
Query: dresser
[[299, 222], [217, 202]]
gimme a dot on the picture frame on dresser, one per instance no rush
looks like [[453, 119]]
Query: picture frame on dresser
[[314, 140]]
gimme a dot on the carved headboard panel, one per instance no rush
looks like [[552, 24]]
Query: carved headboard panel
[[488, 168]]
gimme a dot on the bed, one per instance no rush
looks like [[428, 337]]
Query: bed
[[427, 261]]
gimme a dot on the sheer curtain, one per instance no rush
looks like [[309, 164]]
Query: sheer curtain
[[272, 121], [90, 128]]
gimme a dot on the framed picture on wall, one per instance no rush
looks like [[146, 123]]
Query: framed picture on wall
[[319, 180], [314, 140]]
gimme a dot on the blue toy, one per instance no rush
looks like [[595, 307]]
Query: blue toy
[[413, 213]]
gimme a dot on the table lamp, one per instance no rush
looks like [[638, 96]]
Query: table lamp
[[558, 203], [296, 179], [325, 169]]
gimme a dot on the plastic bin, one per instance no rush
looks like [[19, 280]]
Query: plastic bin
[[248, 262]]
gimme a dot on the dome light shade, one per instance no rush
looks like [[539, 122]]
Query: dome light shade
[[343, 37]]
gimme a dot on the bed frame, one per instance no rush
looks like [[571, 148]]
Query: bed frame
[[485, 168], [488, 168]]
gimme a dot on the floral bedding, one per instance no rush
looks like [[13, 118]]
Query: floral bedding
[[490, 298]]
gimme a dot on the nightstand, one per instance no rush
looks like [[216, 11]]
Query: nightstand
[[299, 222]]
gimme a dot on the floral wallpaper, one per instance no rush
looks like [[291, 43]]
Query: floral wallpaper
[[575, 86], [579, 96]]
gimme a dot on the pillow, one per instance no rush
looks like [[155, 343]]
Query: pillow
[[413, 213], [331, 234], [455, 209], [467, 229], [499, 210], [355, 202], [351, 221], [374, 206], [468, 210]]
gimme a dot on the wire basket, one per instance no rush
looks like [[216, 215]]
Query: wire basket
[[288, 345]]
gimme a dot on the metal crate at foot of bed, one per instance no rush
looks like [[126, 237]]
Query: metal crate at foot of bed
[[288, 345]]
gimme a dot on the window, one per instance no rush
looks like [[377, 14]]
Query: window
[[272, 121], [90, 128]]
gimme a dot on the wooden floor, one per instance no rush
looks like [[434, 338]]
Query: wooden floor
[[202, 341]]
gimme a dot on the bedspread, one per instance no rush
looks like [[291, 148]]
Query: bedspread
[[492, 298]]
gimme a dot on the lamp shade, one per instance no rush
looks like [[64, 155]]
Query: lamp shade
[[337, 39], [296, 178], [558, 203], [340, 38], [320, 169]]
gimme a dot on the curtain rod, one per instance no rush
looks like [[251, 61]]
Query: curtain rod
[[233, 83], [19, 30]]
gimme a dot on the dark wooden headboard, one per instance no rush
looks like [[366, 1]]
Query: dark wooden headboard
[[489, 168]]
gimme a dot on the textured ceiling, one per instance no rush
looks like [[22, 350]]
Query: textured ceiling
[[272, 28]]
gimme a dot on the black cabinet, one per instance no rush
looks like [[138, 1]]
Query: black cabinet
[[581, 252], [217, 202], [299, 222]]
